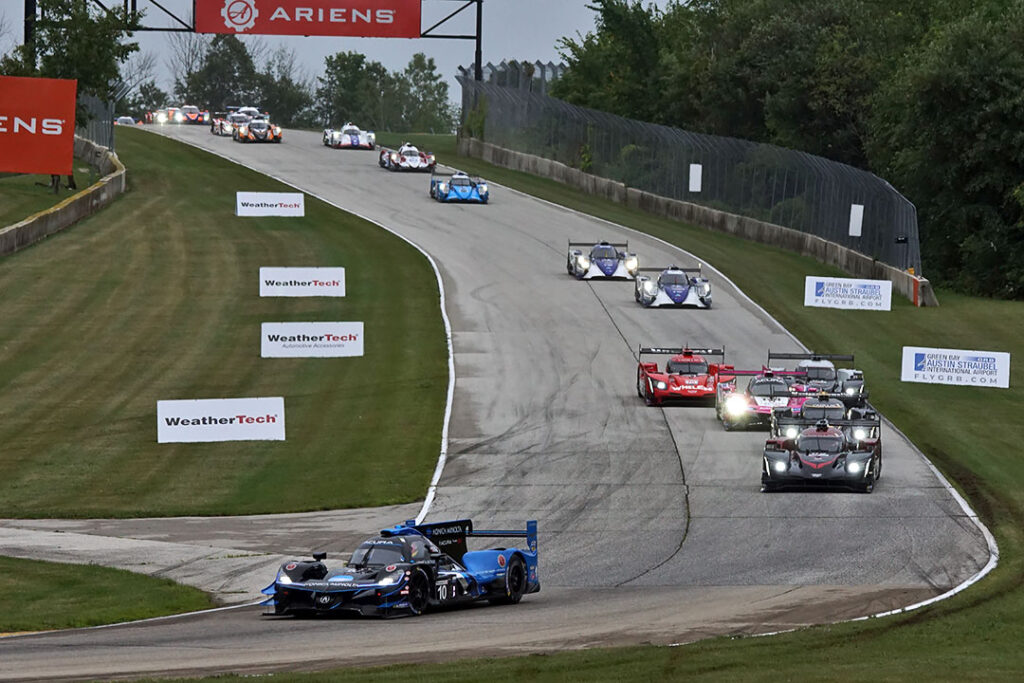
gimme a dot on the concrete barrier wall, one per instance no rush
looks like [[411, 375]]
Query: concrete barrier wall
[[74, 208], [916, 289]]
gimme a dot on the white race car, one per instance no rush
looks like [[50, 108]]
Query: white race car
[[675, 286], [406, 158], [602, 260], [350, 137]]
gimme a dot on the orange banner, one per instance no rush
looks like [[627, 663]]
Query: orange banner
[[37, 124]]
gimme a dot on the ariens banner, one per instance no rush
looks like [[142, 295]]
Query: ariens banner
[[311, 340], [356, 18], [220, 419], [847, 292], [956, 366], [302, 282], [37, 125], [270, 204]]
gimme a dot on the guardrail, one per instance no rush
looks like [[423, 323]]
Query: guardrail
[[915, 288], [74, 208]]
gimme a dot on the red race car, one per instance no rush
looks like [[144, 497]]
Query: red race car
[[688, 377]]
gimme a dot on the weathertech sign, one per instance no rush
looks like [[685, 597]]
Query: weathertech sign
[[220, 419], [270, 204], [302, 282], [358, 18], [956, 366], [311, 340], [37, 125]]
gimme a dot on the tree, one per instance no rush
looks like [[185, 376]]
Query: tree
[[188, 50], [147, 97], [75, 39], [226, 76], [428, 109], [283, 91]]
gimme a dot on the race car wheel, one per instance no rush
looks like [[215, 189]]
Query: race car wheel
[[640, 385], [878, 468], [869, 484], [515, 582], [419, 592]]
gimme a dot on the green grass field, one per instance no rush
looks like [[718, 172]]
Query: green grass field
[[20, 196], [38, 596], [156, 297]]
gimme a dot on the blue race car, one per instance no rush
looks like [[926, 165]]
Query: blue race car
[[458, 187], [407, 570]]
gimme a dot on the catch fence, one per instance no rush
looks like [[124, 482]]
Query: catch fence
[[100, 126]]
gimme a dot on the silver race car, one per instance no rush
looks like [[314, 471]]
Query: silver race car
[[406, 158], [349, 137], [601, 260], [674, 286]]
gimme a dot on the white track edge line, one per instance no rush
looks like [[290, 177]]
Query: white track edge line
[[993, 548]]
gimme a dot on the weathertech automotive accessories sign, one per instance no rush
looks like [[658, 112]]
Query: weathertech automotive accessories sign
[[956, 366], [359, 18], [270, 204], [847, 292], [302, 282], [220, 419], [37, 125], [311, 340]]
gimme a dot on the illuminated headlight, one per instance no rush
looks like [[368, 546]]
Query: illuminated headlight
[[650, 287], [206, 117], [631, 263], [860, 434], [430, 158], [854, 467], [705, 288], [735, 405], [179, 117], [850, 391], [584, 261], [444, 187], [283, 578], [371, 137], [277, 131], [392, 578], [779, 466], [660, 385], [791, 432], [161, 118], [482, 187], [394, 156], [244, 130]]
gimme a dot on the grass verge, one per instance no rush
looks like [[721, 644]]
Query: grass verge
[[39, 596], [156, 297], [21, 196]]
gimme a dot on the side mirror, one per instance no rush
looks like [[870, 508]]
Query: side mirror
[[319, 557]]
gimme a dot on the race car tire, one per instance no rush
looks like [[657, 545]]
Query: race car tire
[[419, 592], [640, 385], [869, 484], [515, 582]]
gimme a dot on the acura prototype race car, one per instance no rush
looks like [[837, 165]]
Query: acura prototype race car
[[675, 286], [688, 377], [257, 130], [349, 137], [841, 454], [458, 187], [602, 260], [408, 570], [820, 374], [406, 158], [767, 392], [225, 123]]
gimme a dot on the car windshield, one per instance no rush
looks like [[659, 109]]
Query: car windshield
[[673, 279], [820, 373], [238, 118], [461, 182], [190, 110], [378, 553], [686, 367], [258, 125], [823, 412], [820, 444], [350, 131], [410, 151], [603, 251], [770, 387]]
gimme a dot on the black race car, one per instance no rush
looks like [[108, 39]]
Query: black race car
[[407, 570], [831, 453]]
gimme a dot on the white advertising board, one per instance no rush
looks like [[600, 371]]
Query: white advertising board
[[302, 281], [220, 419], [848, 292], [270, 204], [311, 340], [856, 219], [956, 366], [696, 177]]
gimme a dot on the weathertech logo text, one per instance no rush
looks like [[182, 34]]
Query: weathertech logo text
[[313, 338], [299, 283], [271, 205], [237, 419]]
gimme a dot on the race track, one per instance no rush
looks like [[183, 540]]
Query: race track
[[652, 527]]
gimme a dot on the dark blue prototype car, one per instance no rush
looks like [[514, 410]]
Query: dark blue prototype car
[[409, 569], [458, 187]]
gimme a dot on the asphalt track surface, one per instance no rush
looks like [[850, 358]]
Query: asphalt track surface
[[652, 526]]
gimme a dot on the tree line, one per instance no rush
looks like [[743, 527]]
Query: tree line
[[927, 94]]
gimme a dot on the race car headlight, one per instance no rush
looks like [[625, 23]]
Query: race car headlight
[[779, 466], [854, 467], [179, 117], [394, 156], [660, 385], [735, 405], [392, 578], [860, 434], [283, 578], [650, 287], [443, 187], [243, 129], [791, 432], [850, 391], [206, 117], [705, 288], [482, 187], [584, 261], [631, 263], [161, 118], [430, 158], [372, 137]]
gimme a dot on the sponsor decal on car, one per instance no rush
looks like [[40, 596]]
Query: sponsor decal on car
[[290, 566], [390, 568], [501, 560]]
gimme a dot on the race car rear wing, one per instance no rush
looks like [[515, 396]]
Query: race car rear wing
[[451, 536], [476, 180], [617, 245], [675, 351], [809, 356], [768, 372]]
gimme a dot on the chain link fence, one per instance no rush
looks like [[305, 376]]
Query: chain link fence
[[100, 127], [840, 203]]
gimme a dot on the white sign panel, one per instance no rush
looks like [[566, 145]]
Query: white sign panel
[[270, 204], [848, 292], [302, 282], [311, 340], [220, 419], [856, 219], [956, 366], [696, 176]]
